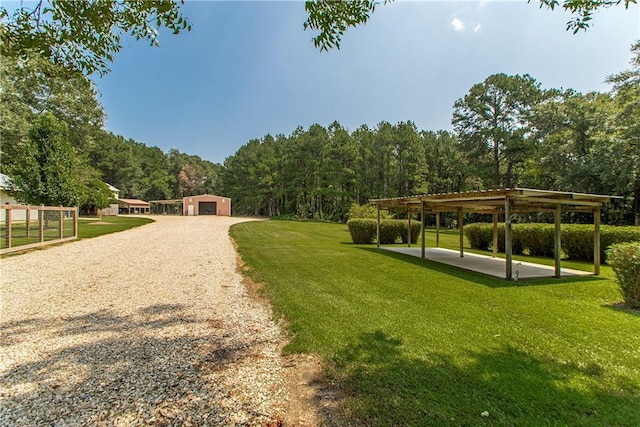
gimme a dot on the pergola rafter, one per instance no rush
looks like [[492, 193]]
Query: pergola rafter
[[507, 202]]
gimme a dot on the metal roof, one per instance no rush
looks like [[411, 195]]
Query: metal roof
[[133, 202], [490, 201]]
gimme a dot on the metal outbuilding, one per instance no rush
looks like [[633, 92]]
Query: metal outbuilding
[[206, 204], [133, 206]]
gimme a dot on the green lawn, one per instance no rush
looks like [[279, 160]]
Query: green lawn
[[108, 225], [406, 341], [86, 229]]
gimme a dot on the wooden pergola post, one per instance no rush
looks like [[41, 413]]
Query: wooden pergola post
[[557, 243], [437, 229], [461, 232], [508, 249], [495, 234], [378, 229], [596, 241], [422, 228]]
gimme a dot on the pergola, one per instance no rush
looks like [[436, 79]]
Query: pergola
[[508, 202], [170, 206]]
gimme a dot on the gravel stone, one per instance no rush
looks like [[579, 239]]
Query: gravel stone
[[152, 326]]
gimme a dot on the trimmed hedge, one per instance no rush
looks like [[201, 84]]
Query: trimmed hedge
[[577, 239], [415, 231], [363, 231], [624, 258], [537, 239], [389, 231], [480, 236]]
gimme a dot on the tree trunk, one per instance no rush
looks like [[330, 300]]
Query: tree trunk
[[496, 164], [636, 203], [507, 179]]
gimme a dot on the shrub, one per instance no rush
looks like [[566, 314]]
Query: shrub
[[363, 231], [625, 260], [538, 239], [577, 239], [365, 211], [479, 235], [415, 231], [390, 230]]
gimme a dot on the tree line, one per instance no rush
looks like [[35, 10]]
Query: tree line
[[56, 151], [507, 132]]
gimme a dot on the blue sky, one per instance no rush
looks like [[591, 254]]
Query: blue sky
[[248, 69]]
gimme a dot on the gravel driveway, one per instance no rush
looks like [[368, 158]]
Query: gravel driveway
[[150, 326]]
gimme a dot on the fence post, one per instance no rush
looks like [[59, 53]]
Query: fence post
[[60, 225], [28, 218], [8, 225], [41, 217], [75, 222]]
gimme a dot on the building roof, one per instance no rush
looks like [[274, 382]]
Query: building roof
[[133, 202], [204, 195], [492, 201], [166, 202]]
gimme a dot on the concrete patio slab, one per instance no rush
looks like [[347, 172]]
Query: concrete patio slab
[[485, 264]]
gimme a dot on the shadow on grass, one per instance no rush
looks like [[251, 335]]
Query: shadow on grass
[[622, 308], [111, 366], [384, 386], [479, 278]]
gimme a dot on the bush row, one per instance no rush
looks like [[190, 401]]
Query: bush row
[[624, 258], [537, 239], [363, 230]]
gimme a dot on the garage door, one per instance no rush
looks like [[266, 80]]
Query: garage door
[[207, 208]]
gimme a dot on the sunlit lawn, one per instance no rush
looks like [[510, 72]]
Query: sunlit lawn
[[407, 341]]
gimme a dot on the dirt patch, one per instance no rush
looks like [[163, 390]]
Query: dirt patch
[[311, 402]]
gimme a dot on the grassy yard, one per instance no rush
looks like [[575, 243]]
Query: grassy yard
[[86, 229], [108, 225], [410, 342]]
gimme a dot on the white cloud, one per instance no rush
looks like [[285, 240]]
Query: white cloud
[[477, 28], [457, 24]]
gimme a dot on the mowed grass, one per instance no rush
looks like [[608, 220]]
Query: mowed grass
[[108, 225], [406, 341]]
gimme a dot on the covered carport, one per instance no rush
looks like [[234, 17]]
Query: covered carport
[[506, 202]]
